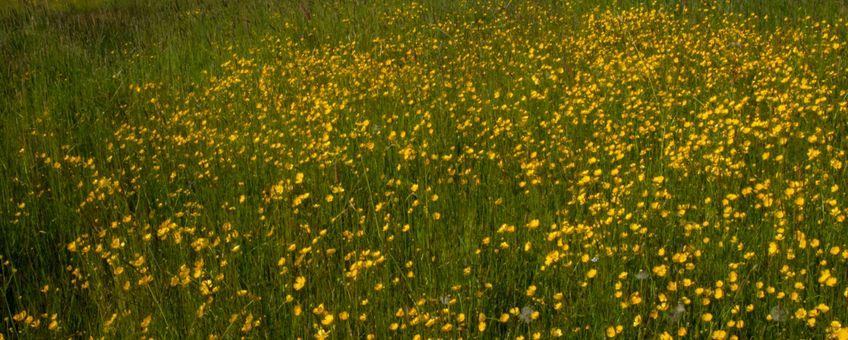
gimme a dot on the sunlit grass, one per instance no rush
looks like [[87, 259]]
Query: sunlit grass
[[435, 169]]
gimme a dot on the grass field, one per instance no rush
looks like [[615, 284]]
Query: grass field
[[432, 169]]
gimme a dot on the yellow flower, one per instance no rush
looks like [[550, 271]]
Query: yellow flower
[[322, 334], [299, 282], [638, 321], [660, 270], [719, 335], [825, 278], [773, 249], [635, 299], [840, 334], [146, 322]]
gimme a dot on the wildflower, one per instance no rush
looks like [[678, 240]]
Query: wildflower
[[825, 278], [54, 325], [322, 334], [299, 282], [660, 270], [526, 314], [445, 299], [778, 313], [555, 333], [840, 333], [676, 312]]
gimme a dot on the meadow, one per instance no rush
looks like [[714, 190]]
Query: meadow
[[429, 169]]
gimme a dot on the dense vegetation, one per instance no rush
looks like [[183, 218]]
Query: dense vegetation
[[424, 169]]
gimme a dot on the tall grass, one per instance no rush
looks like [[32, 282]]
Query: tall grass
[[444, 168]]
